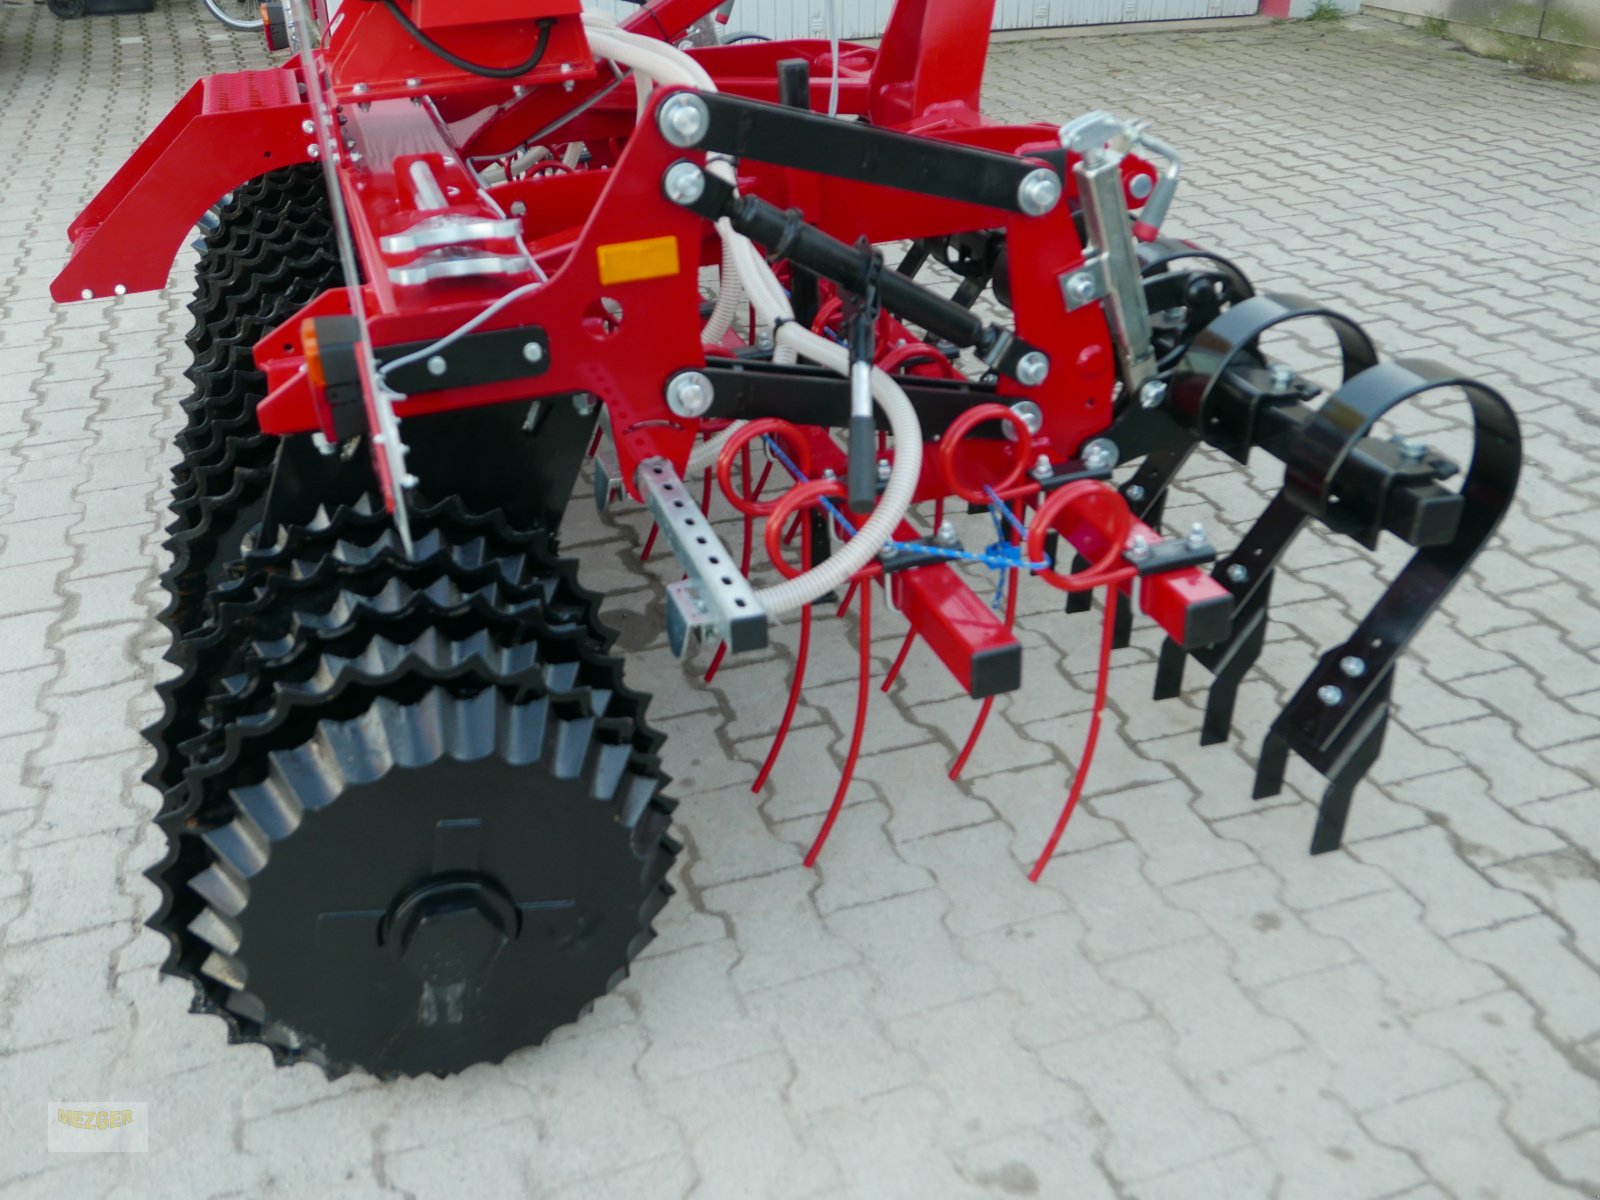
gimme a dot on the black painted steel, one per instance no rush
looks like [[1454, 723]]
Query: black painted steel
[[791, 137]]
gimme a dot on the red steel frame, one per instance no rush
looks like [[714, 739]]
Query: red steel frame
[[924, 79]]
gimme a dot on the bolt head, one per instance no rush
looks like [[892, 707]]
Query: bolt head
[[1033, 368], [1135, 493], [1039, 192], [684, 183], [1138, 547], [533, 352], [360, 89], [1153, 394], [1032, 419], [946, 534], [413, 81], [449, 932], [120, 290], [1042, 468], [1282, 376], [1238, 573], [1330, 695], [1413, 451], [307, 127], [884, 470], [437, 366], [86, 294], [689, 394], [684, 119], [1081, 287], [1099, 455], [1352, 667], [409, 482], [1197, 536], [1140, 187]]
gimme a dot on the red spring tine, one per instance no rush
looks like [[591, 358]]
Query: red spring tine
[[1108, 635], [988, 703], [957, 433], [796, 447], [844, 605], [795, 685], [716, 661], [793, 500], [802, 652], [1103, 510], [649, 543], [899, 660], [858, 732]]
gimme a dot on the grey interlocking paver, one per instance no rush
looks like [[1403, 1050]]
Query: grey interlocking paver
[[1186, 1007]]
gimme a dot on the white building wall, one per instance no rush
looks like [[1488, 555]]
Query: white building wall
[[867, 18]]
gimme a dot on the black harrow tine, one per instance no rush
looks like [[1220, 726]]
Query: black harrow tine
[[1337, 718], [1213, 398]]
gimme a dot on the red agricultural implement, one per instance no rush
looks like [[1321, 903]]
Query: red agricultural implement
[[414, 814]]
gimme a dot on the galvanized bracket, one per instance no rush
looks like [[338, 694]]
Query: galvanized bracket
[[715, 598], [1111, 267]]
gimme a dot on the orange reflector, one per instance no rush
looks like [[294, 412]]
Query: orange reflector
[[628, 262], [313, 352]]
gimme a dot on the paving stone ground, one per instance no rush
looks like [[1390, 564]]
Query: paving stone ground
[[1187, 1007]]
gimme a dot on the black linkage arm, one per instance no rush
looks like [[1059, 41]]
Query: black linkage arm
[[786, 235]]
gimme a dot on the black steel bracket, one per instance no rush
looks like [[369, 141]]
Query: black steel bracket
[[808, 141]]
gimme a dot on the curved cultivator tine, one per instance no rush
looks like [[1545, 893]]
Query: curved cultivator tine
[[1225, 394]]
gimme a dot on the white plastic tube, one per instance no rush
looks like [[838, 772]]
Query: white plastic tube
[[659, 63]]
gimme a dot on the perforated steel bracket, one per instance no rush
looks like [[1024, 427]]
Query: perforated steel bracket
[[715, 599]]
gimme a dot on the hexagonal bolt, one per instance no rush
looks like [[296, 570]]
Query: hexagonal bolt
[[454, 935], [1039, 192], [1330, 695], [1138, 548], [1153, 394], [1100, 455], [689, 394], [684, 183], [1042, 468], [885, 469], [1238, 573], [1353, 667], [1031, 415], [1033, 368], [683, 120], [1282, 377], [1135, 494], [1082, 287], [946, 533], [1197, 536]]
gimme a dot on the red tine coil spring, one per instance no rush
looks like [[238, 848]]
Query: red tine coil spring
[[751, 506], [1014, 486], [792, 502], [1102, 510]]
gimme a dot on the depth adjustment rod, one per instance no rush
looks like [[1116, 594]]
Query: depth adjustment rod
[[787, 235], [860, 323]]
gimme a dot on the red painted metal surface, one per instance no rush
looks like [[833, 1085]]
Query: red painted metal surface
[[226, 130], [622, 340]]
